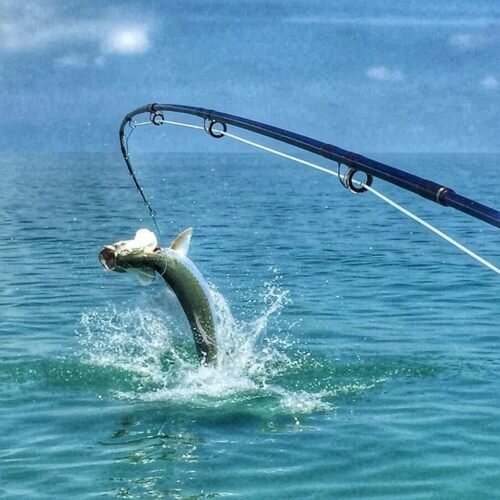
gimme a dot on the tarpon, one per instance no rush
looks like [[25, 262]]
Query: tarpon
[[143, 257]]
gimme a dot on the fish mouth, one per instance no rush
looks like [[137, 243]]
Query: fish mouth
[[107, 258]]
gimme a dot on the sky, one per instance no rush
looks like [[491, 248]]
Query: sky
[[365, 75]]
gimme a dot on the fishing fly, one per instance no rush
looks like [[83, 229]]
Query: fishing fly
[[355, 172]]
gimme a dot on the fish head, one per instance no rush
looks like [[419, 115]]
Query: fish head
[[110, 257], [136, 255]]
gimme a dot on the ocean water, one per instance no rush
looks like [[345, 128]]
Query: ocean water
[[361, 352]]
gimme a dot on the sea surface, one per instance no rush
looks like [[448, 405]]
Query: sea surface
[[361, 353]]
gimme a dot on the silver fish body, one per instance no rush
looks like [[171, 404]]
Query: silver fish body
[[180, 274]]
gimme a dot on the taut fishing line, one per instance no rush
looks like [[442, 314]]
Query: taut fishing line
[[217, 128]]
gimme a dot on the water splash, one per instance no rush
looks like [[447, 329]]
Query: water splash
[[257, 360], [130, 339]]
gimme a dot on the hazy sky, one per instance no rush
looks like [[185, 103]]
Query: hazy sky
[[370, 76]]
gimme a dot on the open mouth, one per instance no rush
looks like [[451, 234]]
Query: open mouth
[[107, 257]]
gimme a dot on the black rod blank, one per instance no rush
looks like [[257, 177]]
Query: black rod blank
[[418, 185]]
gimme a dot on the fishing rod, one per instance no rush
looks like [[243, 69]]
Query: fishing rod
[[216, 124]]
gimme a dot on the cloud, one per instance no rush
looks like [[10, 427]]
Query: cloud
[[43, 26], [486, 37], [383, 73], [71, 60], [489, 83], [392, 21], [128, 40], [466, 41]]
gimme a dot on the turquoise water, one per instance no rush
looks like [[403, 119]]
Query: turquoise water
[[361, 351]]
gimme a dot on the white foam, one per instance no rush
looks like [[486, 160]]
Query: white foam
[[148, 344]]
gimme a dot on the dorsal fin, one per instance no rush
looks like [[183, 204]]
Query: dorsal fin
[[181, 243]]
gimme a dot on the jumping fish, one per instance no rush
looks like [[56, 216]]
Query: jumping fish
[[144, 258]]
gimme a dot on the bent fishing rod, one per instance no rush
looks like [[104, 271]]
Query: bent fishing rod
[[216, 124]]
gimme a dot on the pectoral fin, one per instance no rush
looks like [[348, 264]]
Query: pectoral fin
[[144, 276]]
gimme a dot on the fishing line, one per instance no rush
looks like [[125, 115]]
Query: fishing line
[[378, 194], [132, 173], [434, 229], [346, 182]]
